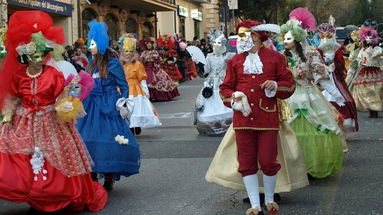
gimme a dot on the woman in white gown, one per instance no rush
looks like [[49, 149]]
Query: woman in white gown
[[211, 116]]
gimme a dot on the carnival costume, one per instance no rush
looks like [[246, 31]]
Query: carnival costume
[[212, 117], [291, 176], [314, 124], [368, 83], [256, 120], [332, 53], [161, 86], [110, 142], [144, 115], [354, 66], [43, 160], [169, 55]]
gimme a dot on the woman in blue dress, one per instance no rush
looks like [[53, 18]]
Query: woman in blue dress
[[106, 134]]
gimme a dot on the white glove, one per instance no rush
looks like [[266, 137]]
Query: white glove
[[329, 57], [145, 88], [271, 93], [242, 105], [125, 107], [333, 91]]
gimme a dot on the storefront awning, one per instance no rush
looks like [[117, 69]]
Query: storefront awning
[[147, 5]]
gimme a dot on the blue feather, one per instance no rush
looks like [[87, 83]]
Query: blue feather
[[99, 33]]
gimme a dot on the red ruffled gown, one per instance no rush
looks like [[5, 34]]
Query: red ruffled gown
[[169, 64], [64, 179]]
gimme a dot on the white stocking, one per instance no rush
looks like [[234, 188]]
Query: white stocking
[[252, 188], [269, 184]]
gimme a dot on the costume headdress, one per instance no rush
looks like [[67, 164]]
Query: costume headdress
[[99, 34], [306, 18], [144, 43], [328, 40], [166, 39], [129, 43], [296, 31], [22, 24], [369, 35], [214, 34]]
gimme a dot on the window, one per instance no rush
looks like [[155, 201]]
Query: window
[[87, 16], [131, 26], [197, 28], [111, 22], [182, 27], [147, 30]]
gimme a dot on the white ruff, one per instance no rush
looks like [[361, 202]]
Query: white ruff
[[253, 64]]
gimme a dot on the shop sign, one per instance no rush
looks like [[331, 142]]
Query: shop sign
[[233, 4], [62, 7], [196, 14], [183, 11]]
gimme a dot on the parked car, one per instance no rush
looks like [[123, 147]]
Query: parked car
[[341, 34]]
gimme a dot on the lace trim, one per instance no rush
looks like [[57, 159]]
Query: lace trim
[[253, 64]]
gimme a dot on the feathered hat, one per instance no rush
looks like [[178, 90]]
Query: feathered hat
[[305, 17], [98, 32], [20, 30], [369, 35], [326, 30], [247, 25], [166, 39]]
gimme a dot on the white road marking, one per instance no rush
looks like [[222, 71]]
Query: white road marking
[[182, 115]]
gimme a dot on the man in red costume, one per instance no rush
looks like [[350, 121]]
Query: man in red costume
[[254, 80]]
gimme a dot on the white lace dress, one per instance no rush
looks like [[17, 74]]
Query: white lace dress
[[211, 116]]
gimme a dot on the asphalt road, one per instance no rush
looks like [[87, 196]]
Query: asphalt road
[[175, 159]]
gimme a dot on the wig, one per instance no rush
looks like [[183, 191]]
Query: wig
[[99, 34]]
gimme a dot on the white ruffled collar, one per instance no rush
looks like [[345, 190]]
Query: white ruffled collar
[[253, 64]]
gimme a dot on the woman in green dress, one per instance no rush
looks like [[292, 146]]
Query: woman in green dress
[[314, 121]]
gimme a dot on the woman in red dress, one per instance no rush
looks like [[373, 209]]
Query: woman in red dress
[[43, 161]]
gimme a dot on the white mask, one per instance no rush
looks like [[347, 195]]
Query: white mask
[[92, 44], [289, 38], [219, 47], [368, 39], [245, 43]]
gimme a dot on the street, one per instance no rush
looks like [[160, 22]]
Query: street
[[174, 160]]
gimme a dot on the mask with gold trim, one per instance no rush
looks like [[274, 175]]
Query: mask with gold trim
[[244, 40]]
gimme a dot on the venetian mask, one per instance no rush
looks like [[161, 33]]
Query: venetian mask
[[37, 57], [219, 47], [75, 90], [288, 38], [244, 42]]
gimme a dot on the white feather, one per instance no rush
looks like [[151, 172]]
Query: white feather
[[267, 27]]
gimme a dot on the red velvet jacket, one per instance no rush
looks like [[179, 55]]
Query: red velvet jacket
[[264, 110]]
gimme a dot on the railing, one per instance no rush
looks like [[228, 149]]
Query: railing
[[172, 2]]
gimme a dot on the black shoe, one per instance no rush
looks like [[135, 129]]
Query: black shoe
[[33, 211], [108, 185], [373, 114], [137, 131], [94, 176], [277, 198], [310, 177]]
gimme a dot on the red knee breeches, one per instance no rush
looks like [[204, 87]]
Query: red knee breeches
[[255, 147]]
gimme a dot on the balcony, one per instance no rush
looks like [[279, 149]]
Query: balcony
[[201, 1], [148, 5]]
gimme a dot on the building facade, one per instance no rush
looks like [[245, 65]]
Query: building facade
[[121, 16]]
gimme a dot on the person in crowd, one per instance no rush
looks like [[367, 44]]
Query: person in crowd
[[332, 54], [144, 115], [110, 142], [43, 160], [315, 120], [211, 116], [253, 82], [368, 83]]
